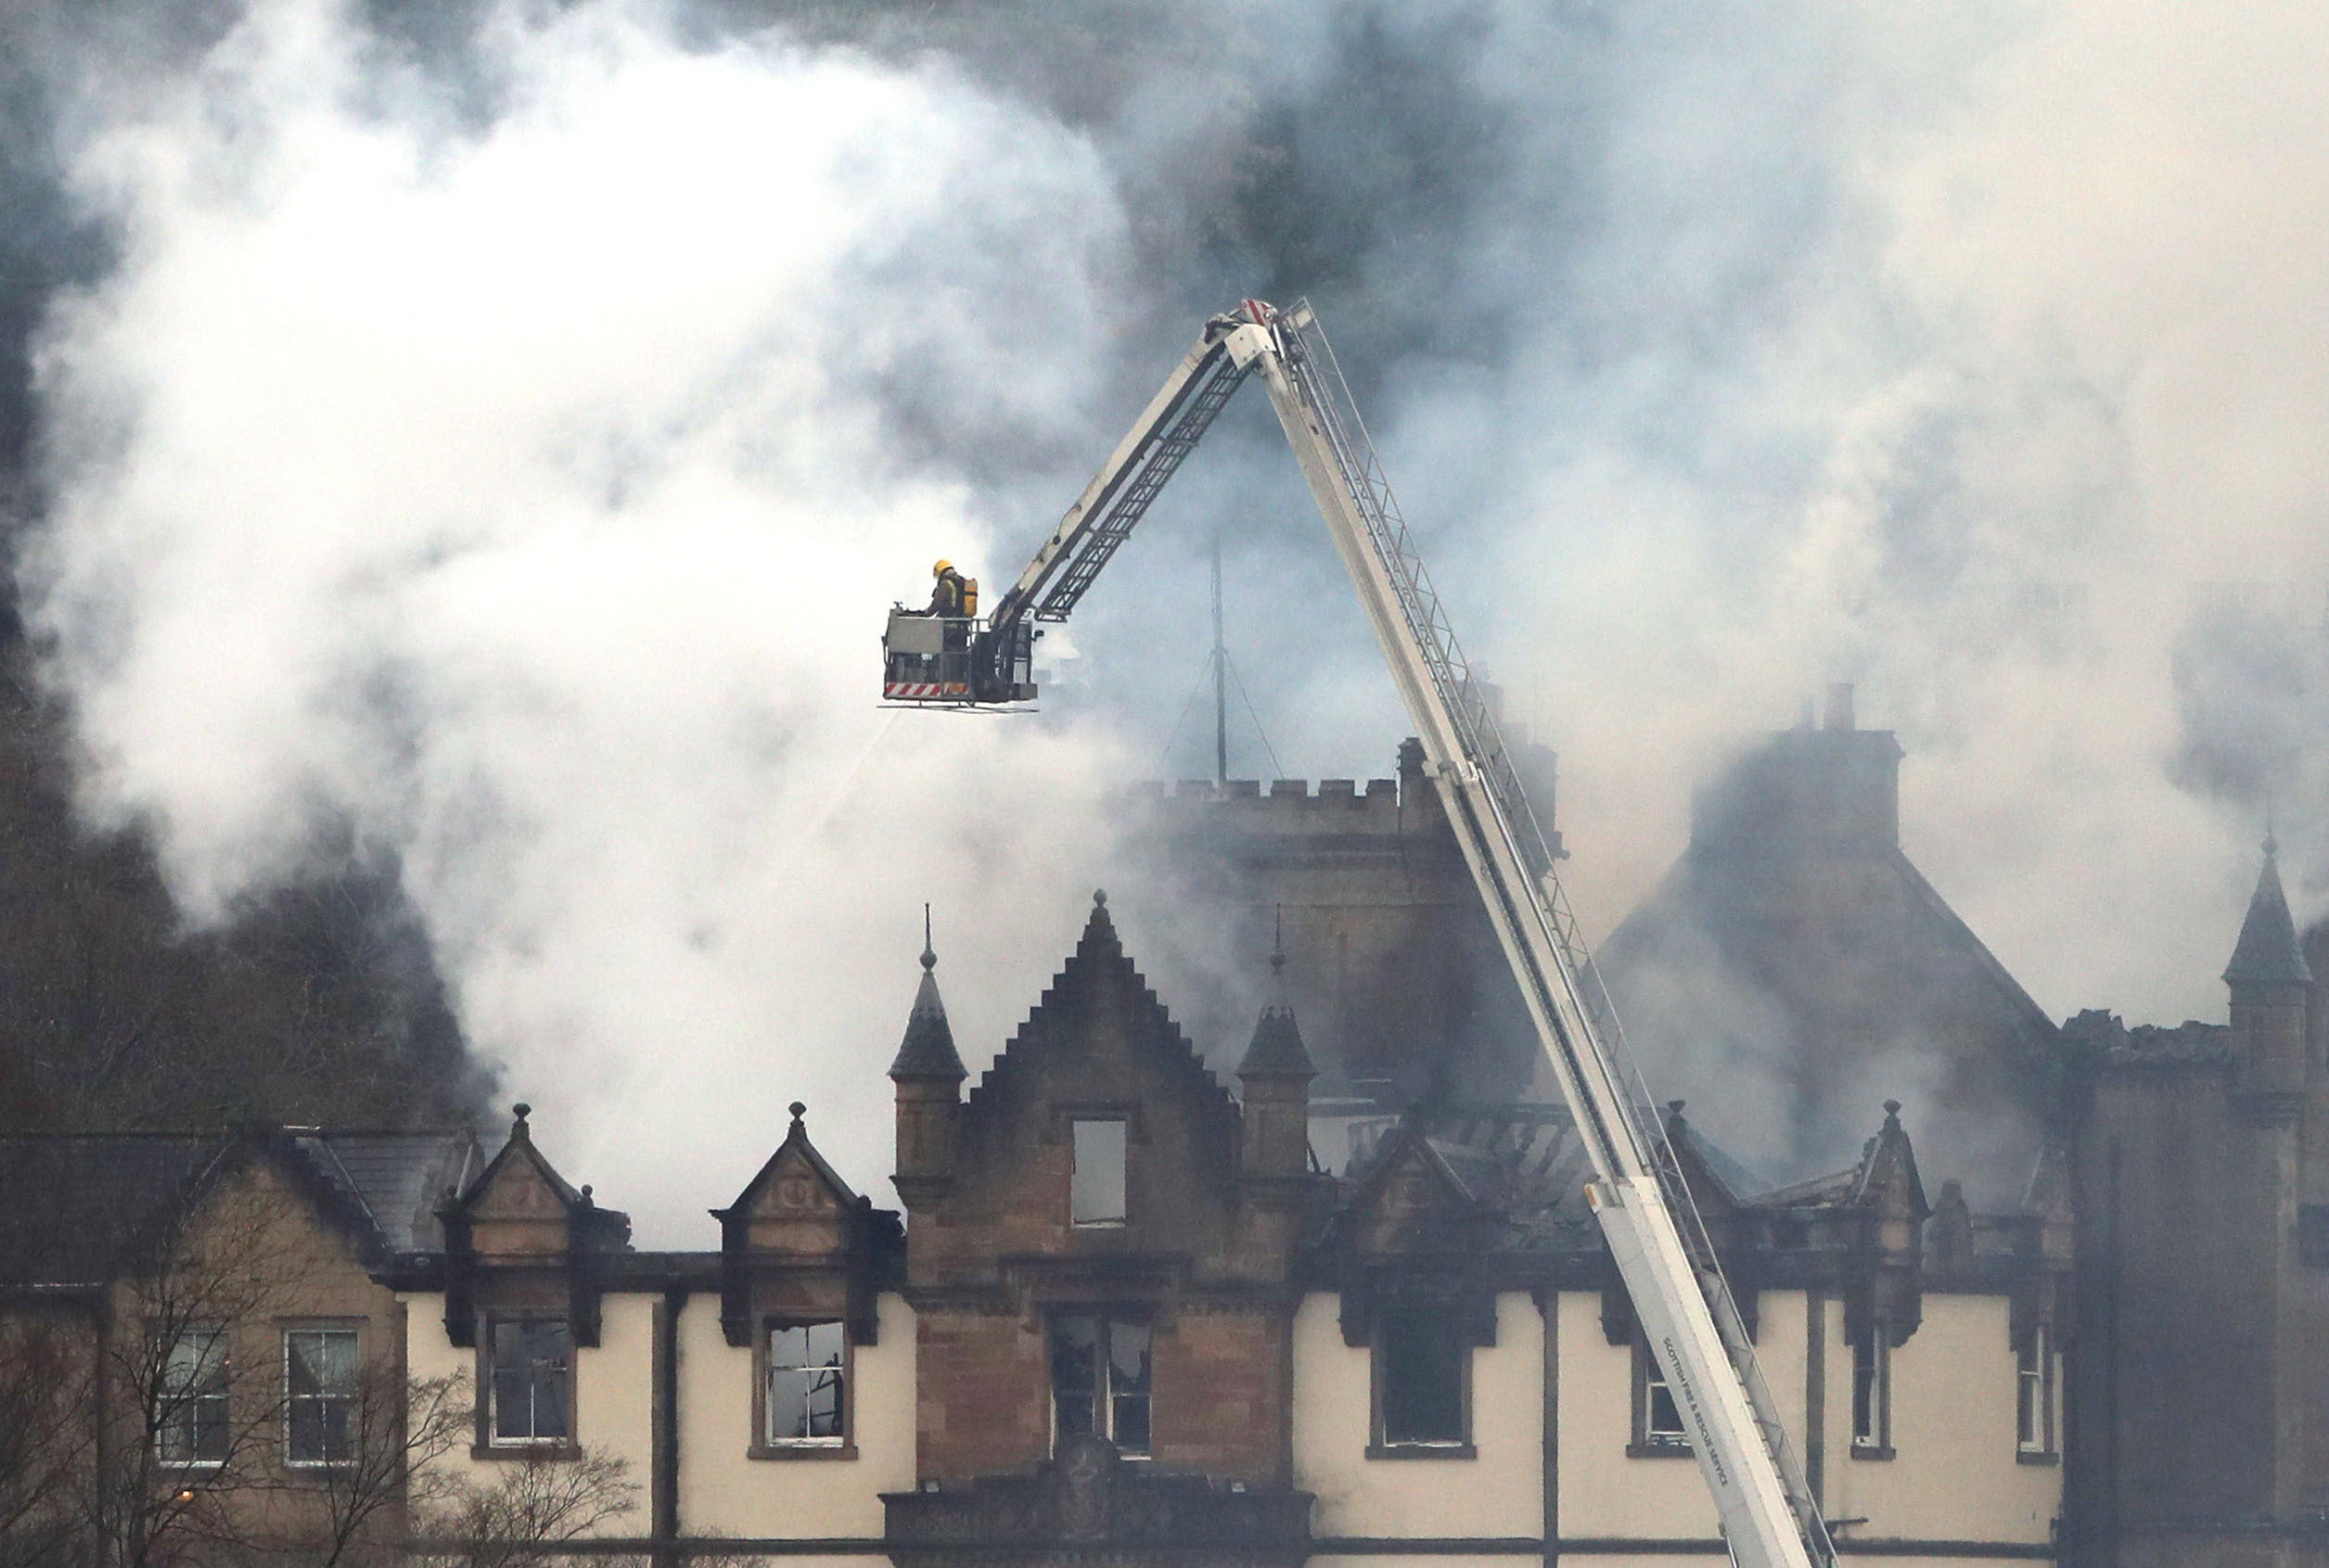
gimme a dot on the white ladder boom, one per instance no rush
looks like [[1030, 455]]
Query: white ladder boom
[[1686, 1312]]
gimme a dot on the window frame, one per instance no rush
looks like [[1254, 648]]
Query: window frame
[[2035, 1365], [489, 1443], [1872, 1359], [1649, 1380], [184, 1403], [1123, 1173], [354, 1331], [1380, 1446], [762, 1446], [1106, 1319]]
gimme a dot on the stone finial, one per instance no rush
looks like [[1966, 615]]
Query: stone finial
[[1892, 1113], [799, 1111], [519, 1131]]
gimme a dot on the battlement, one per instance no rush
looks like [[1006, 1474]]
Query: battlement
[[1329, 792], [1298, 810]]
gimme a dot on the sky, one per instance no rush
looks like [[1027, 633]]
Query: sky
[[497, 430]]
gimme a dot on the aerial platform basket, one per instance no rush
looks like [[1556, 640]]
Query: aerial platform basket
[[955, 659]]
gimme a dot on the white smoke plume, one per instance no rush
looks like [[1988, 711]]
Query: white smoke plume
[[519, 471], [529, 497]]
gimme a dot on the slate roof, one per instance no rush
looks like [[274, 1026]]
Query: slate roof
[[398, 1179], [1277, 1050], [927, 1051], [78, 1209], [1525, 1162], [1794, 965], [74, 1206], [2266, 953]]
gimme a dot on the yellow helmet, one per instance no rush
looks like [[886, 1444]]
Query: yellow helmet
[[942, 568]]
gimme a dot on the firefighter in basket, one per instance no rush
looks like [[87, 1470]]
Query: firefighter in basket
[[948, 593]]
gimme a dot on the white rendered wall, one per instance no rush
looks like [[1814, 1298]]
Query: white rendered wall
[[723, 1491], [1604, 1492], [1495, 1494], [1955, 1473], [613, 1394]]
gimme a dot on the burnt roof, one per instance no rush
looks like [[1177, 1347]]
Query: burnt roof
[[2107, 1041], [1525, 1168]]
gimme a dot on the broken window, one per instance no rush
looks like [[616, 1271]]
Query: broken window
[[1096, 1185], [1101, 1380], [806, 1393], [1422, 1362], [529, 1370], [1658, 1423], [1872, 1391], [2034, 1408]]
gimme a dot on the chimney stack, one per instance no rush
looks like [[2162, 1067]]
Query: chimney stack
[[1840, 706]]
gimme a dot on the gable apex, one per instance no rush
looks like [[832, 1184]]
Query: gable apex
[[795, 1155], [522, 1174], [1098, 979]]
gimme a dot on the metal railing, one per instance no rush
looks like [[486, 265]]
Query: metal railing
[[1154, 465]]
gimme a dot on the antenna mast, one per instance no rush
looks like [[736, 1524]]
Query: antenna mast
[[1221, 678]]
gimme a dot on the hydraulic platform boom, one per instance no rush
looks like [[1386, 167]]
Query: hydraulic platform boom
[[1769, 1516]]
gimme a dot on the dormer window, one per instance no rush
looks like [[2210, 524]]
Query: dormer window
[[1095, 1186]]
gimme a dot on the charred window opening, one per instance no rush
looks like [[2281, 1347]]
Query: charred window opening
[[531, 1364], [807, 1403], [1657, 1420], [2034, 1405], [1422, 1364], [1871, 1392], [1096, 1185], [1101, 1380]]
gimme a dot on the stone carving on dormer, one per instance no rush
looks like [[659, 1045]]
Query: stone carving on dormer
[[1417, 1229], [521, 1233], [798, 1241]]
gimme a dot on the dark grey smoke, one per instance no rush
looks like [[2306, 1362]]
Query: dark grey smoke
[[1718, 350]]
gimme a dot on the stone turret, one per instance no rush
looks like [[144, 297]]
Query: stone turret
[[1275, 1076], [928, 1073], [2271, 988]]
